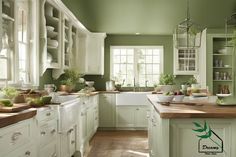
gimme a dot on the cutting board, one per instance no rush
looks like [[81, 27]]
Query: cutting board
[[14, 108]]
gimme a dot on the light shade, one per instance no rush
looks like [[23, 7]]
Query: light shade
[[187, 35]]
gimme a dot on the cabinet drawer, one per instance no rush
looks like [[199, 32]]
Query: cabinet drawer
[[46, 114], [49, 150], [14, 136], [28, 150], [48, 132]]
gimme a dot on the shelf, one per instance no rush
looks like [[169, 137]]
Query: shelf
[[51, 47], [7, 17], [222, 80], [222, 67], [187, 58], [215, 54]]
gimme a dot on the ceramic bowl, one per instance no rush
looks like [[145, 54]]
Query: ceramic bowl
[[50, 28], [89, 83], [178, 98], [164, 98]]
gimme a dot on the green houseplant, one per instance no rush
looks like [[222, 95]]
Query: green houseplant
[[166, 82], [70, 78]]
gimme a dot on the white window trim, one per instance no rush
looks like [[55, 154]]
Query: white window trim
[[135, 62]]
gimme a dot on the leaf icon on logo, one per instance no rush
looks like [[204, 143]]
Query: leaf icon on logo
[[207, 135], [203, 129]]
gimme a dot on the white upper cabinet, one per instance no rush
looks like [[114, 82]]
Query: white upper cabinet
[[95, 54], [187, 61]]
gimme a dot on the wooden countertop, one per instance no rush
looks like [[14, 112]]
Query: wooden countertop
[[200, 110], [11, 118]]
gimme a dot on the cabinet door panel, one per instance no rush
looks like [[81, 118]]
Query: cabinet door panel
[[141, 117], [125, 117], [107, 110]]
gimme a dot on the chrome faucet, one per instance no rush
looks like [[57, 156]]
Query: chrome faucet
[[146, 82], [134, 88]]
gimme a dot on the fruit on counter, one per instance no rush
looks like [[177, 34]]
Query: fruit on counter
[[178, 93], [46, 99], [168, 93], [36, 102], [6, 103]]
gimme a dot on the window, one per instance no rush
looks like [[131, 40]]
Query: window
[[23, 56], [141, 65]]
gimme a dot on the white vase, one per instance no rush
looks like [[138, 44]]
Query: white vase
[[167, 88]]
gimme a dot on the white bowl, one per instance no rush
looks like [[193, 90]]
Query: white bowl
[[164, 98], [178, 98], [50, 28], [49, 10], [89, 83], [53, 43]]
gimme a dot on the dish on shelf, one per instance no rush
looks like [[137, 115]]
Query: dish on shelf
[[51, 34], [49, 10], [49, 58], [199, 94], [50, 28], [226, 66], [223, 95], [53, 43]]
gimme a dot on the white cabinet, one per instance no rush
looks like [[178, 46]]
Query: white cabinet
[[131, 116], [95, 54], [47, 132], [18, 139], [68, 143], [107, 110], [90, 121]]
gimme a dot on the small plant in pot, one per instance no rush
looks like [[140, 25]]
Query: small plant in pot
[[166, 83], [70, 79]]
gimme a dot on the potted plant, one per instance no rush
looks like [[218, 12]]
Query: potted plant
[[193, 82], [70, 79], [166, 82]]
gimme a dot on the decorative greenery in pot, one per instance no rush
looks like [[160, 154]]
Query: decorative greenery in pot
[[166, 82], [70, 79]]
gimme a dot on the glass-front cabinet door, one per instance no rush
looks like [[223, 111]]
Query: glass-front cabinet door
[[185, 61]]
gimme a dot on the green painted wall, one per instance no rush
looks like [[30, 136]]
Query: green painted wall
[[148, 16], [125, 40]]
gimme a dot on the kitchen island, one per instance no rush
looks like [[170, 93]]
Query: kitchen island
[[198, 130]]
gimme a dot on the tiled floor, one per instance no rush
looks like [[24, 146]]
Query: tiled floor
[[119, 144]]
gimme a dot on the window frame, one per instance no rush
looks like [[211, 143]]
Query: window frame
[[135, 62]]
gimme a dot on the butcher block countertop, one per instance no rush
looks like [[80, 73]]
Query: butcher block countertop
[[11, 118], [201, 109]]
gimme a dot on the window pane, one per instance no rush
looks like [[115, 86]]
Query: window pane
[[130, 52], [3, 68], [123, 59], [123, 69], [116, 69], [148, 59], [149, 68], [130, 59], [156, 59], [156, 52], [149, 52], [156, 69], [123, 52], [116, 52], [22, 51], [116, 59], [142, 69]]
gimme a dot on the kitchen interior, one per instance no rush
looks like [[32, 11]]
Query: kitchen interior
[[83, 78]]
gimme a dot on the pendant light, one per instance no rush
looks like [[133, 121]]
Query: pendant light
[[187, 34], [230, 27]]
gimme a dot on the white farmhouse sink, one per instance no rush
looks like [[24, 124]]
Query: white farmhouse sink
[[132, 98]]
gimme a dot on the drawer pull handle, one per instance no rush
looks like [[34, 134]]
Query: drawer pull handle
[[53, 131], [16, 136], [54, 155], [43, 133], [73, 142], [137, 109], [48, 114], [27, 153], [70, 131]]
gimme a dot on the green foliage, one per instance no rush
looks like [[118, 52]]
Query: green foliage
[[10, 92], [192, 80], [167, 79], [203, 129], [71, 77]]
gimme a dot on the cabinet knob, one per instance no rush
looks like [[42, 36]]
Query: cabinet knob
[[43, 133], [70, 131], [137, 109], [73, 142], [16, 136], [27, 153], [53, 131], [48, 114]]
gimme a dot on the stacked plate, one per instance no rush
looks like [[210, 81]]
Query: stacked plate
[[52, 43]]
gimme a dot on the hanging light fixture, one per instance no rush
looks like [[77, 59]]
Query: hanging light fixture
[[187, 34], [230, 28]]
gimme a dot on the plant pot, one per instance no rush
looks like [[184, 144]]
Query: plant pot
[[166, 88], [66, 88], [184, 87]]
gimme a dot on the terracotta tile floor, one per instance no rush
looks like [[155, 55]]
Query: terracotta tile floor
[[119, 144]]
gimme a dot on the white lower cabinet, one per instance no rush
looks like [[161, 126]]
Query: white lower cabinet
[[18, 140], [131, 116], [47, 132], [68, 143]]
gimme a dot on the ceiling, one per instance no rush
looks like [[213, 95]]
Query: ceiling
[[148, 16]]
